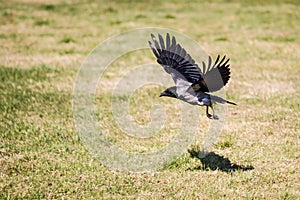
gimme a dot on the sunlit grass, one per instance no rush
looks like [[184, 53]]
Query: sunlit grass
[[42, 47]]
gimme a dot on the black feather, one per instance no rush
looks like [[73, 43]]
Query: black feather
[[212, 77]]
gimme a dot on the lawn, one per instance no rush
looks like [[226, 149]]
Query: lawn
[[44, 43]]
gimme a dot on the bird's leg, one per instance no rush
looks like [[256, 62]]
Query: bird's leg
[[207, 114], [214, 116]]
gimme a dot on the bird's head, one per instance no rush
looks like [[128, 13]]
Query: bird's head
[[170, 92]]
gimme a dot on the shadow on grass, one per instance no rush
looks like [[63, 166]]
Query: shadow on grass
[[214, 161]]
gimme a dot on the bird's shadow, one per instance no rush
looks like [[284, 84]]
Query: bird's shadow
[[213, 161]]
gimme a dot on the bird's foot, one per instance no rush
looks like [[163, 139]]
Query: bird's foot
[[215, 117], [209, 115], [212, 116]]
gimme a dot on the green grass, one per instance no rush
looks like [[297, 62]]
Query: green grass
[[42, 47]]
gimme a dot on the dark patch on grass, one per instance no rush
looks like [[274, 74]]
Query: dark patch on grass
[[213, 161], [48, 7], [16, 92], [16, 75], [31, 101], [115, 22], [169, 16], [8, 17], [140, 16], [67, 51], [277, 39], [43, 22], [5, 36], [109, 10], [221, 39], [67, 39], [7, 13]]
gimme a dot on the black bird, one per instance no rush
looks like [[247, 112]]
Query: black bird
[[191, 83]]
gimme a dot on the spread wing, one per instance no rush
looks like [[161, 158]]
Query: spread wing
[[215, 75], [175, 60], [183, 69]]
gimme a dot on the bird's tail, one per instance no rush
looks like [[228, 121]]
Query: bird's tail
[[221, 100], [231, 103]]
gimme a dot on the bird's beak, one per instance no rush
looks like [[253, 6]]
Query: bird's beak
[[162, 94]]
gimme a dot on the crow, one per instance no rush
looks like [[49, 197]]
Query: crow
[[192, 84]]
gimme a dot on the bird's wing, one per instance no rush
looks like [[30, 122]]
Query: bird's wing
[[175, 60], [183, 69], [215, 75]]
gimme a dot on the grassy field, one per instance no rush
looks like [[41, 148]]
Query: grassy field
[[43, 44]]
